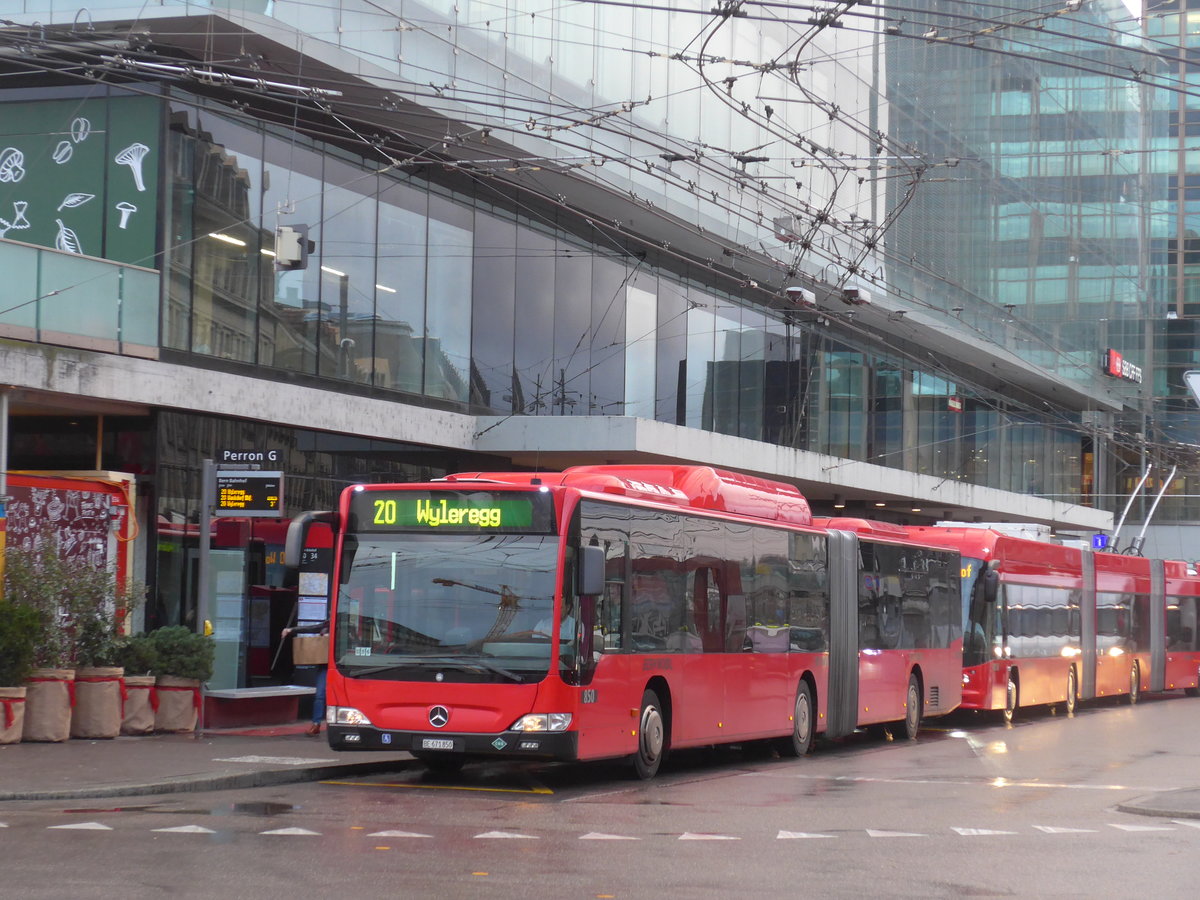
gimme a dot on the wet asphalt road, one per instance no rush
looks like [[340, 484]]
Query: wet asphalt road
[[972, 808]]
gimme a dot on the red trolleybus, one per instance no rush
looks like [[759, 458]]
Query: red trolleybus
[[608, 612], [1047, 624]]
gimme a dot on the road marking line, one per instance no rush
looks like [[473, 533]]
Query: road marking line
[[81, 826], [439, 787], [1140, 827], [988, 783], [979, 832], [600, 836], [276, 760], [690, 836], [1054, 829], [292, 831], [799, 835], [403, 834], [1190, 823], [186, 829], [871, 832], [507, 835]]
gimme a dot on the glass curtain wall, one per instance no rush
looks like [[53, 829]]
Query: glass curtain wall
[[417, 288]]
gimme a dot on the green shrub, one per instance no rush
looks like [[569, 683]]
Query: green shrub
[[137, 655], [183, 653], [20, 630], [78, 605]]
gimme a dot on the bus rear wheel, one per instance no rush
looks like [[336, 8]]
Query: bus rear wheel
[[1072, 691], [912, 708], [801, 738], [652, 737], [1012, 697], [1135, 684]]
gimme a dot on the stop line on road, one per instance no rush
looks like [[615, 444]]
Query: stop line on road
[[1175, 825]]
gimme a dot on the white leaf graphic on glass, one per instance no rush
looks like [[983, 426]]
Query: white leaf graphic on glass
[[62, 153], [80, 129], [73, 200], [132, 156], [67, 240]]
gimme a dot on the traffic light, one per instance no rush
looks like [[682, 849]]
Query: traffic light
[[292, 247]]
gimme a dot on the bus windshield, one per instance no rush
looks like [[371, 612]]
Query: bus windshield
[[979, 616], [454, 607]]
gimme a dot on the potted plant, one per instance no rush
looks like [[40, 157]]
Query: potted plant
[[19, 630], [185, 660], [137, 656], [99, 678], [78, 606]]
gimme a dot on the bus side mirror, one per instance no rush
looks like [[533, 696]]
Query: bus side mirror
[[591, 571], [297, 539], [990, 580]]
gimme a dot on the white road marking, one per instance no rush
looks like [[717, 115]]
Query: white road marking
[[1140, 827], [979, 832], [1190, 823], [951, 782], [689, 836], [1054, 829], [403, 834], [798, 835], [82, 826], [292, 831], [186, 829], [886, 834], [600, 836], [275, 760], [506, 835]]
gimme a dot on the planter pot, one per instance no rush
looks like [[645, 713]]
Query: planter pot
[[12, 714], [141, 700], [99, 698], [178, 703], [49, 697]]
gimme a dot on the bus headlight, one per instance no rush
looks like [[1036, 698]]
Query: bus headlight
[[345, 715], [543, 722]]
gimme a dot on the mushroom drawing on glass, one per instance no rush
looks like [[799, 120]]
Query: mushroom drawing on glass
[[126, 209], [12, 165], [132, 156]]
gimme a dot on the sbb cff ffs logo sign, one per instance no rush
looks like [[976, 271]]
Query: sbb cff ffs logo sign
[[1119, 367]]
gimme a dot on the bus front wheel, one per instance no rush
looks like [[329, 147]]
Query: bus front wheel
[[912, 711], [1012, 697], [1135, 684], [1072, 691], [652, 737], [801, 738]]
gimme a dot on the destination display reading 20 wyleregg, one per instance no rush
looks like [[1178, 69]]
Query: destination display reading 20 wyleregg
[[447, 511]]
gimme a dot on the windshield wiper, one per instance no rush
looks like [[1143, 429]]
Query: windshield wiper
[[474, 664]]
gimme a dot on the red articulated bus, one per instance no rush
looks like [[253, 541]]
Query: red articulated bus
[[607, 612], [1046, 623]]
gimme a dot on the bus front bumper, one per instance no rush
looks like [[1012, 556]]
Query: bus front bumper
[[506, 744]]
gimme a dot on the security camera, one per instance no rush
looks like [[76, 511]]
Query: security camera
[[800, 296]]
